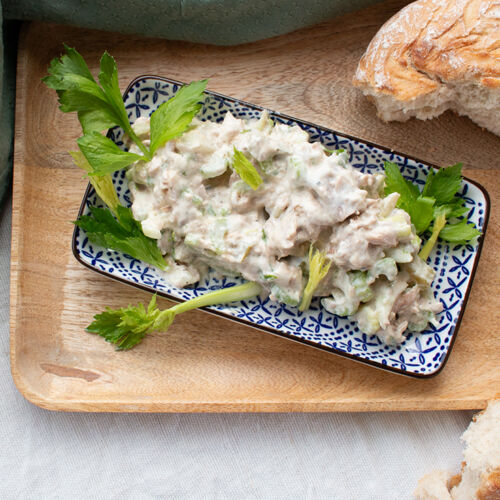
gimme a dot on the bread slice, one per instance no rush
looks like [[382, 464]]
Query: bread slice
[[480, 476], [435, 55]]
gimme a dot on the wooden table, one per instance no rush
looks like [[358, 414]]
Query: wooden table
[[204, 363]]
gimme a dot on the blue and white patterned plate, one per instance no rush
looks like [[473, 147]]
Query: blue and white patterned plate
[[421, 355]]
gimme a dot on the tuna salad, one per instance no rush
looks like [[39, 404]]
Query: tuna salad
[[191, 199]]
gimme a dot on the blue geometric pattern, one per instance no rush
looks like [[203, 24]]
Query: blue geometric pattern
[[420, 354]]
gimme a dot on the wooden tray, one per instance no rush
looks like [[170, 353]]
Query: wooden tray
[[205, 363]]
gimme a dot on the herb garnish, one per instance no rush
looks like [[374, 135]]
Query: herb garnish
[[436, 204], [126, 327], [122, 233], [101, 106], [245, 169], [319, 266]]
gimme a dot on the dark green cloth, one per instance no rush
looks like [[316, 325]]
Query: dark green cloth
[[8, 50], [220, 22]]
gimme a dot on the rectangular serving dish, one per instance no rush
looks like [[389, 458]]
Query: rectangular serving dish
[[420, 355]]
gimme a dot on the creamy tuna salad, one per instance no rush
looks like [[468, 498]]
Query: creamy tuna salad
[[190, 199]]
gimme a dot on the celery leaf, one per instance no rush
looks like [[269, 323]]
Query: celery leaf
[[103, 155], [123, 234], [173, 117], [245, 169]]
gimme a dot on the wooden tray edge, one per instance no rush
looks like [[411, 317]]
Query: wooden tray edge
[[17, 183]]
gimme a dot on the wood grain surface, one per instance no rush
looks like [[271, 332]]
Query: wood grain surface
[[205, 363]]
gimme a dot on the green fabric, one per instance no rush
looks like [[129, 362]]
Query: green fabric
[[8, 50], [220, 22]]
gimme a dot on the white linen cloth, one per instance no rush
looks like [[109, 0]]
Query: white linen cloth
[[46, 455]]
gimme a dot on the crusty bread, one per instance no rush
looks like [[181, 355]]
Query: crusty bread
[[433, 486], [480, 475], [435, 55]]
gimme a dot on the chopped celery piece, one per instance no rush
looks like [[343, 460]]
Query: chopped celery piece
[[386, 267], [439, 223], [400, 254], [399, 221], [420, 271], [191, 240], [265, 123], [245, 169], [361, 282], [269, 277], [284, 296], [340, 308], [388, 204], [368, 320], [422, 322], [329, 152], [218, 235], [319, 266], [298, 168]]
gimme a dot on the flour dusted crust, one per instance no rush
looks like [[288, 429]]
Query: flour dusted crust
[[480, 475], [436, 55]]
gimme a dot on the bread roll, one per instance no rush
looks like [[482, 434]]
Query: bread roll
[[480, 476], [435, 55]]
